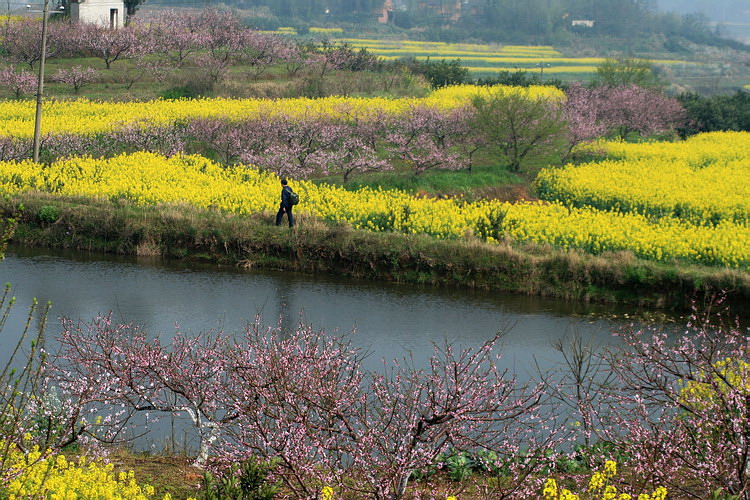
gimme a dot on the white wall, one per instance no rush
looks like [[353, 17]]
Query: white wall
[[102, 12]]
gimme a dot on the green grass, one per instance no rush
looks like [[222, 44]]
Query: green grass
[[112, 84], [185, 232], [170, 474], [470, 183]]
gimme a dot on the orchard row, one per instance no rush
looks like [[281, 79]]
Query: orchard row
[[330, 424], [302, 137], [85, 117]]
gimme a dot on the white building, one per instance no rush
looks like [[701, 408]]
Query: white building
[[109, 13], [588, 23]]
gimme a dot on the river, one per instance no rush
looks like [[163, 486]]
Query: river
[[390, 320]]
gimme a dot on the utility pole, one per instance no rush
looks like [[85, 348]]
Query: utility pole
[[541, 65], [40, 84]]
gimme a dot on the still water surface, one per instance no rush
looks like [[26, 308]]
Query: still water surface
[[389, 319]]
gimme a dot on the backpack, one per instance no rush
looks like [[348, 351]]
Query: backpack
[[293, 197]]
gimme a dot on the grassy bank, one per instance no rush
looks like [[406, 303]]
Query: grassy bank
[[185, 232]]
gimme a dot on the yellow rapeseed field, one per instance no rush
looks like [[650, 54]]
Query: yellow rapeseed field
[[85, 117], [549, 70], [704, 180], [687, 200], [325, 31], [449, 50], [487, 58], [39, 475], [146, 178]]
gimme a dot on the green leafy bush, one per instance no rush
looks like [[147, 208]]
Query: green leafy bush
[[48, 214], [248, 481]]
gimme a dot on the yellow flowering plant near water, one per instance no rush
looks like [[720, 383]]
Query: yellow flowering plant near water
[[326, 493], [724, 377], [700, 187], [599, 487], [44, 475]]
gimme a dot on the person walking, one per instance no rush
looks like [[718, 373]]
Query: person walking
[[286, 204]]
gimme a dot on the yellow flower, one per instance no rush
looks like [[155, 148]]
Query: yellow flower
[[610, 469], [326, 493], [568, 495], [61, 479], [599, 489], [610, 493], [550, 489], [597, 481], [659, 493]]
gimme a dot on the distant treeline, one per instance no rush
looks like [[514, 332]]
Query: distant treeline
[[510, 21]]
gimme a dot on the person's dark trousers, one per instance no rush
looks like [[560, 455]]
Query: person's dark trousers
[[280, 215]]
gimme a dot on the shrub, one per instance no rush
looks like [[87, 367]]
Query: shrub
[[441, 74], [48, 214], [76, 76], [181, 92], [248, 481]]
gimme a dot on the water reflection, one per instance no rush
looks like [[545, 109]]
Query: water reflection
[[389, 319]]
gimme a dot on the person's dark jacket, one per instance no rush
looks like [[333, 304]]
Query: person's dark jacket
[[286, 193]]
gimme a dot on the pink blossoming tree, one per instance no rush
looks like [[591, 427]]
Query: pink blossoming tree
[[76, 76], [644, 111], [582, 112], [304, 398], [592, 112], [108, 44], [680, 407], [117, 370], [425, 138], [22, 40], [19, 82], [175, 34]]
